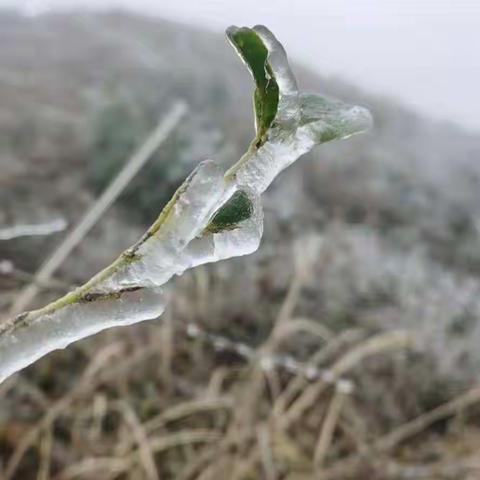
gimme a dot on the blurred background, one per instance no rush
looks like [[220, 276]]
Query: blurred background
[[346, 347]]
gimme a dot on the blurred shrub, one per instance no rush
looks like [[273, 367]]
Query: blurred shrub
[[119, 128]]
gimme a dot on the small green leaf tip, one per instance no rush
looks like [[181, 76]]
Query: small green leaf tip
[[254, 54], [234, 211]]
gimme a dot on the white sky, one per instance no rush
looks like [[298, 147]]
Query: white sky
[[423, 52]]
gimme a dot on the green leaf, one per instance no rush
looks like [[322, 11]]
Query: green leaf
[[234, 211], [254, 53]]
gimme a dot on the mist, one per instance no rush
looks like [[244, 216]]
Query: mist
[[424, 54]]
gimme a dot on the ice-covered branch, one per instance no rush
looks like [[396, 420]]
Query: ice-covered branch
[[213, 215]]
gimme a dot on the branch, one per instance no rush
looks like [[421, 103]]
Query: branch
[[212, 216]]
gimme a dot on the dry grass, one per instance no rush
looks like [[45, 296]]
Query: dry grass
[[174, 400]]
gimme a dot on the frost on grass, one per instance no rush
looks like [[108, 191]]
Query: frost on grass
[[214, 215]]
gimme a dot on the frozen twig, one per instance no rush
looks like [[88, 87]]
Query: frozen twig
[[214, 214]]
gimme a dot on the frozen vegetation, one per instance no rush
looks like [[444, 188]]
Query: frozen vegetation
[[213, 215]]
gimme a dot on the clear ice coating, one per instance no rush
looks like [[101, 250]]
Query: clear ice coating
[[213, 216], [27, 343], [301, 121]]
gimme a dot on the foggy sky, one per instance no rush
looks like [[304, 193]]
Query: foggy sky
[[425, 53]]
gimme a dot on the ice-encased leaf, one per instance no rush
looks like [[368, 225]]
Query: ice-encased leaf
[[288, 109], [325, 119], [301, 121], [254, 53], [212, 216], [232, 213]]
